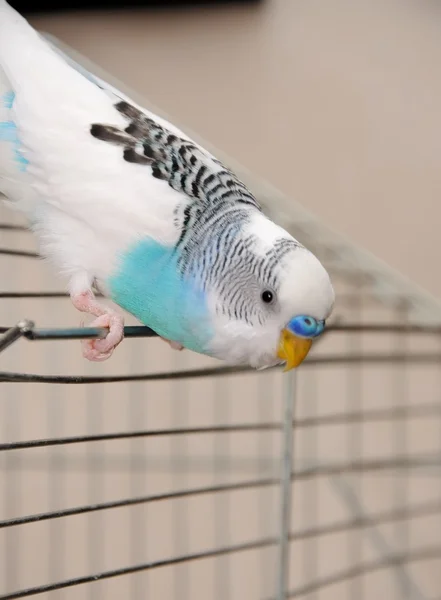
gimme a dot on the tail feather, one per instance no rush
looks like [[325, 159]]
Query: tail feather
[[14, 183]]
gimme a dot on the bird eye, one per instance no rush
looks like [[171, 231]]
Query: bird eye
[[267, 296]]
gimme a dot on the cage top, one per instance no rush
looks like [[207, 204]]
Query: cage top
[[354, 264]]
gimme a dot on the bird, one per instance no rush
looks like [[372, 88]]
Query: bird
[[124, 203]]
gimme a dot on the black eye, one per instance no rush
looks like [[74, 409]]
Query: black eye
[[267, 296], [308, 321]]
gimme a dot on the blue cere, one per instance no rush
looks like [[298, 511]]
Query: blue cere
[[306, 327]]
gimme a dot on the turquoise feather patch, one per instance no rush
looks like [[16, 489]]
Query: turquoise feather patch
[[149, 285], [7, 99], [8, 132]]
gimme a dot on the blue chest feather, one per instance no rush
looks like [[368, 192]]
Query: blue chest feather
[[149, 285]]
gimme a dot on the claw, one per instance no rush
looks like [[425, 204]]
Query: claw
[[174, 345]]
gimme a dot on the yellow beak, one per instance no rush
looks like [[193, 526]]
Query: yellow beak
[[293, 349]]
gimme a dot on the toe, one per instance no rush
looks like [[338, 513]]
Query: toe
[[90, 352], [113, 338], [101, 349]]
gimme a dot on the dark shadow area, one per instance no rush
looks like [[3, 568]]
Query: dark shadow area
[[32, 6]]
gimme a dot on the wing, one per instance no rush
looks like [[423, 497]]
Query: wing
[[172, 156], [186, 167]]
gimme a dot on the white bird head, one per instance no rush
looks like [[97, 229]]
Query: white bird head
[[273, 301]]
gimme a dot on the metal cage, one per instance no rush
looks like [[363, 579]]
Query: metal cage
[[165, 475]]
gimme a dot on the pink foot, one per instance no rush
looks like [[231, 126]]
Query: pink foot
[[174, 345], [102, 349], [99, 349]]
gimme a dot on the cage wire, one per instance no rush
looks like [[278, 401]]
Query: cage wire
[[162, 474]]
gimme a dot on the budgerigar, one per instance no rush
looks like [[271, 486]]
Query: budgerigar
[[124, 202]]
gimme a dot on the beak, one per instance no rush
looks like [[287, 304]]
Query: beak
[[293, 349]]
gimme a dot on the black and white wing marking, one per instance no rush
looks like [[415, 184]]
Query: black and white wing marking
[[185, 166]]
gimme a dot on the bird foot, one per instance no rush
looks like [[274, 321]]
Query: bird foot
[[99, 349]]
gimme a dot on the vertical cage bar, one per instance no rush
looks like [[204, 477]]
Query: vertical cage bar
[[12, 491], [354, 402], [94, 482], [138, 399], [181, 467], [12, 463], [311, 493], [286, 486], [222, 465], [55, 408], [265, 451], [403, 589]]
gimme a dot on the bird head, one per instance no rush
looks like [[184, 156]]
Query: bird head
[[306, 299], [273, 299]]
